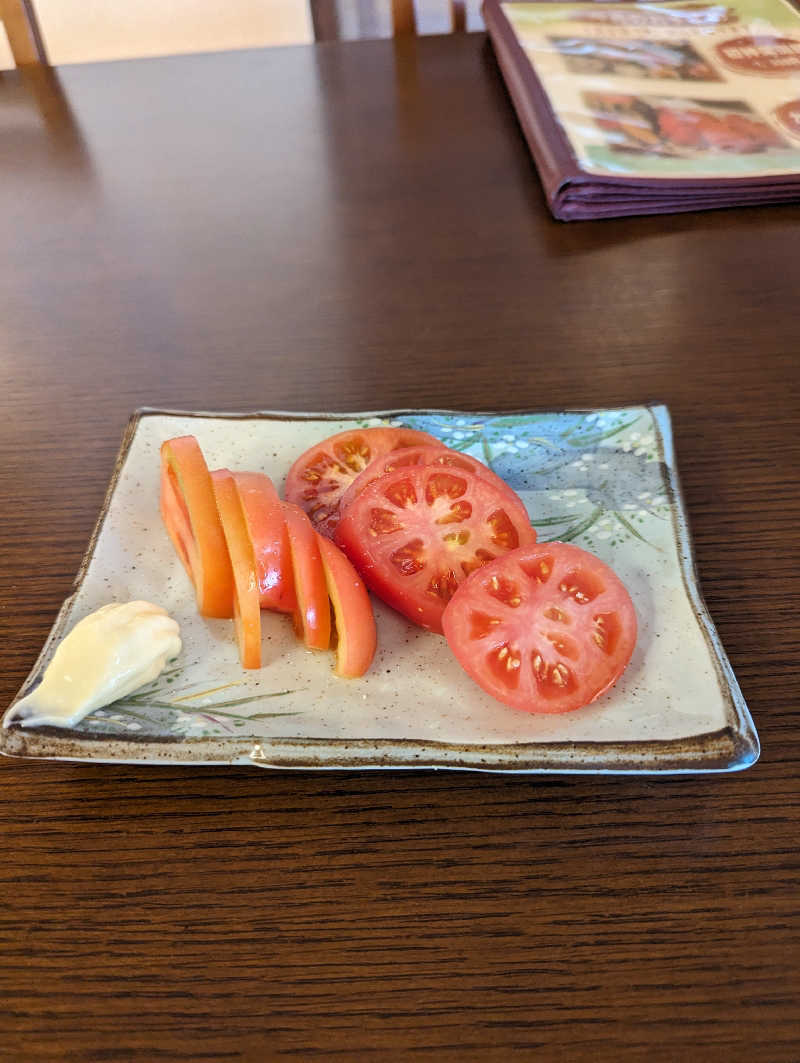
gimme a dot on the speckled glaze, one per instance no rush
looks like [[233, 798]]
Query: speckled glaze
[[602, 478]]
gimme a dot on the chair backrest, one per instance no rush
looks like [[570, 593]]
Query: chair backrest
[[328, 16], [22, 30], [404, 21]]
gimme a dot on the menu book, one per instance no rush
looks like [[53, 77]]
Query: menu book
[[655, 108]]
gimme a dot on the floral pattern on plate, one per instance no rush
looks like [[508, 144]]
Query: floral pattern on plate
[[600, 470]]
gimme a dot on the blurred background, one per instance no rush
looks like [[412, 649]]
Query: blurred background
[[84, 31]]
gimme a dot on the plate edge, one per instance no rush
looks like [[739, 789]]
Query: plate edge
[[747, 747], [712, 752]]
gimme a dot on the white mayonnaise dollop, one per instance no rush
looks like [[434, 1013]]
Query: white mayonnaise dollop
[[105, 657]]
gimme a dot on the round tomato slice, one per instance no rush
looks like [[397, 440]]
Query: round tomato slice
[[546, 628], [416, 533], [246, 608], [440, 455], [312, 617], [352, 610], [320, 476], [189, 511], [266, 526]]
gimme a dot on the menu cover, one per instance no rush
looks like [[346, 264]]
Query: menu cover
[[655, 108]]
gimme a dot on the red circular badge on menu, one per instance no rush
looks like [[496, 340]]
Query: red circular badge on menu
[[760, 55], [788, 114]]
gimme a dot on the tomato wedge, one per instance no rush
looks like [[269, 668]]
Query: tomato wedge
[[546, 628], [352, 610], [312, 616], [189, 511], [322, 474], [418, 532], [441, 455], [266, 526], [246, 608]]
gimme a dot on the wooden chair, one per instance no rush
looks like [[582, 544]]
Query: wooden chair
[[404, 20], [22, 30], [326, 21]]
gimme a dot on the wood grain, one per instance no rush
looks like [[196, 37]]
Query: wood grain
[[18, 19], [360, 226]]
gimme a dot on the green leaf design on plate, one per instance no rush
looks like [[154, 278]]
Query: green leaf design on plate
[[159, 697], [577, 529]]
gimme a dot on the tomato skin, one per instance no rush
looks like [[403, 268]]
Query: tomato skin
[[246, 608], [416, 533], [312, 617], [547, 628], [175, 516], [189, 511], [266, 525], [423, 455], [355, 622], [320, 476]]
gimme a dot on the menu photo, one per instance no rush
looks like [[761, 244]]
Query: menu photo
[[678, 90]]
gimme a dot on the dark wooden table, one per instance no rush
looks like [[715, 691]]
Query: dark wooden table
[[356, 227]]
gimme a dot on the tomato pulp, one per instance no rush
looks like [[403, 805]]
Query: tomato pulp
[[189, 511], [441, 455], [417, 533], [312, 616], [321, 475], [546, 628], [246, 609], [356, 635], [267, 528]]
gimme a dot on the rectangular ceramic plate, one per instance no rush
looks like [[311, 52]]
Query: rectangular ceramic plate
[[604, 479]]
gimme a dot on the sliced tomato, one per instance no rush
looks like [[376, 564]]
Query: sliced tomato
[[440, 455], [416, 533], [321, 475], [312, 617], [246, 607], [266, 526], [189, 511], [355, 622], [546, 628], [176, 520]]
